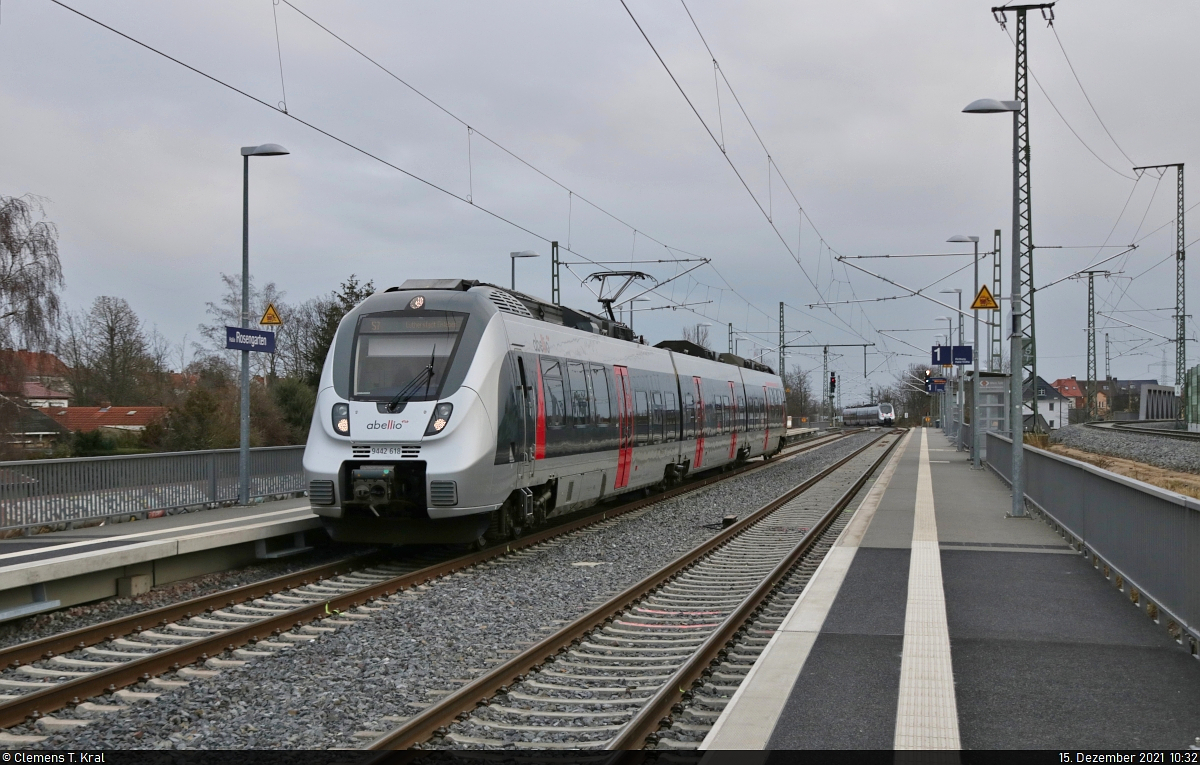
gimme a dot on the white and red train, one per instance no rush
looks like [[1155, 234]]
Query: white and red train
[[455, 411]]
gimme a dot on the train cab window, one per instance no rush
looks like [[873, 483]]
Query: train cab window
[[656, 417], [641, 418], [556, 398], [601, 397], [580, 404], [394, 353], [671, 417]]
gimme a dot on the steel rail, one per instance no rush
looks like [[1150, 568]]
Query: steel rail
[[47, 647], [648, 718], [1122, 427], [58, 695], [427, 723]]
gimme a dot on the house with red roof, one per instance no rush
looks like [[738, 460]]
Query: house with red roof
[[85, 419], [1077, 395]]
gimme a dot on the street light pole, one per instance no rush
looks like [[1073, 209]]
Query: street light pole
[[1016, 336], [513, 259], [265, 150], [975, 424]]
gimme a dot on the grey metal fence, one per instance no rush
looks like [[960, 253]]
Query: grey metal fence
[[1147, 538], [964, 436], [43, 492]]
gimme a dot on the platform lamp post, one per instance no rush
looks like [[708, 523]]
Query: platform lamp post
[[959, 396], [975, 434], [265, 150], [513, 258], [1016, 396], [947, 408]]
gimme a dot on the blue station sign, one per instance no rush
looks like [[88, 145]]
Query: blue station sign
[[244, 339], [962, 355]]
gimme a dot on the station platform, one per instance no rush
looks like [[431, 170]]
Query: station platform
[[63, 568], [937, 622]]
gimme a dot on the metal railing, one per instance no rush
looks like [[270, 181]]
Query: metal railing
[[1144, 537], [964, 436], [48, 492]]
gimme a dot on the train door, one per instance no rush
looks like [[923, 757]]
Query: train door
[[624, 395], [699, 461], [766, 418], [526, 408], [731, 414]]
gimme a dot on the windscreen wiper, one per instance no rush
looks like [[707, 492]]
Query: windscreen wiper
[[424, 376]]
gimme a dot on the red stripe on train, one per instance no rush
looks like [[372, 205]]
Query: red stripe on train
[[539, 447]]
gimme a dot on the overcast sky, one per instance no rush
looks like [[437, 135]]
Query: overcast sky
[[860, 106]]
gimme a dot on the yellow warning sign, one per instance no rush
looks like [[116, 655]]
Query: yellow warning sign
[[271, 316], [984, 301]]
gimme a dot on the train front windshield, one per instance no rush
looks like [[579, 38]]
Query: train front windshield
[[885, 410], [393, 350]]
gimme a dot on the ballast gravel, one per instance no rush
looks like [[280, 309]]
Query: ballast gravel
[[428, 641], [1160, 451], [75, 617]]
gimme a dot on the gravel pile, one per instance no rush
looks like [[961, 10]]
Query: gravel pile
[[67, 619], [431, 639], [1160, 451]]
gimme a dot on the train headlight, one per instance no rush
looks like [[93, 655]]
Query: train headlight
[[440, 418], [341, 419]]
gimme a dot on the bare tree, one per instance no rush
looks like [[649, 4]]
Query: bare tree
[[30, 272], [798, 389], [697, 334], [908, 394], [111, 357], [227, 312]]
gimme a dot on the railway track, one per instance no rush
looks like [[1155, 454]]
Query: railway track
[[611, 678], [242, 624], [1134, 427]]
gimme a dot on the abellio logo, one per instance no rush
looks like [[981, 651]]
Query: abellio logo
[[389, 425]]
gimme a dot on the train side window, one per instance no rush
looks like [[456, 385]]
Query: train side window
[[719, 413], [580, 410], [728, 413], [556, 398], [601, 397], [641, 419], [689, 410], [656, 416], [671, 413]]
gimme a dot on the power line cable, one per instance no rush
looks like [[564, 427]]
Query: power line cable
[[1064, 119], [279, 54], [1054, 29], [724, 154], [472, 130], [363, 151]]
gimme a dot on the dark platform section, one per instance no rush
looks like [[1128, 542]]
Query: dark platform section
[[845, 697], [1046, 653], [1015, 694], [1037, 597], [874, 596]]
